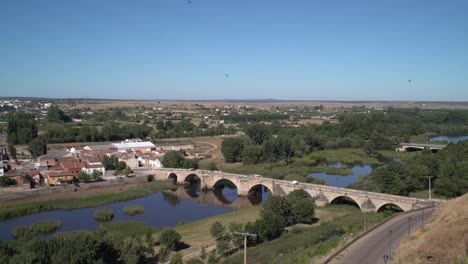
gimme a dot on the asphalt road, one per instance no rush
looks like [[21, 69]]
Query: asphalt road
[[371, 248]]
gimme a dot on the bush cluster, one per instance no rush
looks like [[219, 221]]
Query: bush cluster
[[104, 215]]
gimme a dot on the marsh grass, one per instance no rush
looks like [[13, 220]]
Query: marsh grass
[[20, 209], [133, 209], [104, 215]]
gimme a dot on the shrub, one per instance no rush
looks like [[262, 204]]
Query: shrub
[[104, 215], [149, 178], [133, 209], [21, 231], [45, 227], [169, 238], [128, 228]]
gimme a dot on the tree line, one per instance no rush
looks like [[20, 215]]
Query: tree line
[[277, 213], [449, 168]]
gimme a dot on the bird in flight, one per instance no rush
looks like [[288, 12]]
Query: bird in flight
[[409, 81], [227, 75]]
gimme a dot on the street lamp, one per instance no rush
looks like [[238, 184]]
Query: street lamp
[[409, 225]]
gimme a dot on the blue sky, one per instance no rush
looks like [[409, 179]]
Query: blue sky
[[173, 49]]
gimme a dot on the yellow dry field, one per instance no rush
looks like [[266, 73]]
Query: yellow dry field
[[443, 240], [188, 106]]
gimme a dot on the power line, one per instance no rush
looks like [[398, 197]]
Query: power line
[[245, 235]]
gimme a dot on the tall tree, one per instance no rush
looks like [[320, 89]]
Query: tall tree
[[232, 149]]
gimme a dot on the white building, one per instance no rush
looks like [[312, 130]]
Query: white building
[[144, 146], [155, 163], [90, 168]]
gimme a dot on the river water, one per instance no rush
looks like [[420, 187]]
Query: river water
[[449, 139], [340, 180], [162, 209]]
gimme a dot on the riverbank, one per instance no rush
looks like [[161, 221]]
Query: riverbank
[[83, 199], [293, 172], [196, 234], [310, 244]]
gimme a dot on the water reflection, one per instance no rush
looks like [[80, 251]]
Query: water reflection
[[186, 203]]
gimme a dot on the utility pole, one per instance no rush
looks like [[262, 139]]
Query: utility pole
[[429, 178], [245, 235]]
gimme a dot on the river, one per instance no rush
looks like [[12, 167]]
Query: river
[[162, 209], [449, 139]]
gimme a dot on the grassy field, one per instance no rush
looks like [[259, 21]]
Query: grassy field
[[391, 154], [19, 209], [422, 138], [425, 194], [308, 244], [130, 228], [197, 233], [347, 156]]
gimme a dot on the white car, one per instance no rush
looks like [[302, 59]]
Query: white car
[[294, 182]]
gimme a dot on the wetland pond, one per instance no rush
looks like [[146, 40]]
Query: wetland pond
[[340, 180]]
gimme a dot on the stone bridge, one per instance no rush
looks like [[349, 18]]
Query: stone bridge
[[246, 184]]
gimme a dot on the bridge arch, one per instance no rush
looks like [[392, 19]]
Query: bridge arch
[[345, 199], [259, 187], [192, 179], [223, 182], [368, 206], [390, 206], [172, 177], [225, 191]]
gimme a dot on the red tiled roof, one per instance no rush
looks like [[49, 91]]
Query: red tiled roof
[[34, 172], [71, 165], [94, 166], [59, 174]]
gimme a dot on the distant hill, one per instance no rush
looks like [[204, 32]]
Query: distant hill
[[443, 240]]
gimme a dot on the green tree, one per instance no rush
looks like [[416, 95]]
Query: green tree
[[302, 206], [7, 181], [163, 254], [203, 253], [277, 205], [232, 149], [83, 176], [37, 147], [149, 178], [127, 171], [252, 154], [258, 133], [55, 114], [177, 259], [222, 246], [12, 151], [173, 159], [169, 238], [217, 230]]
